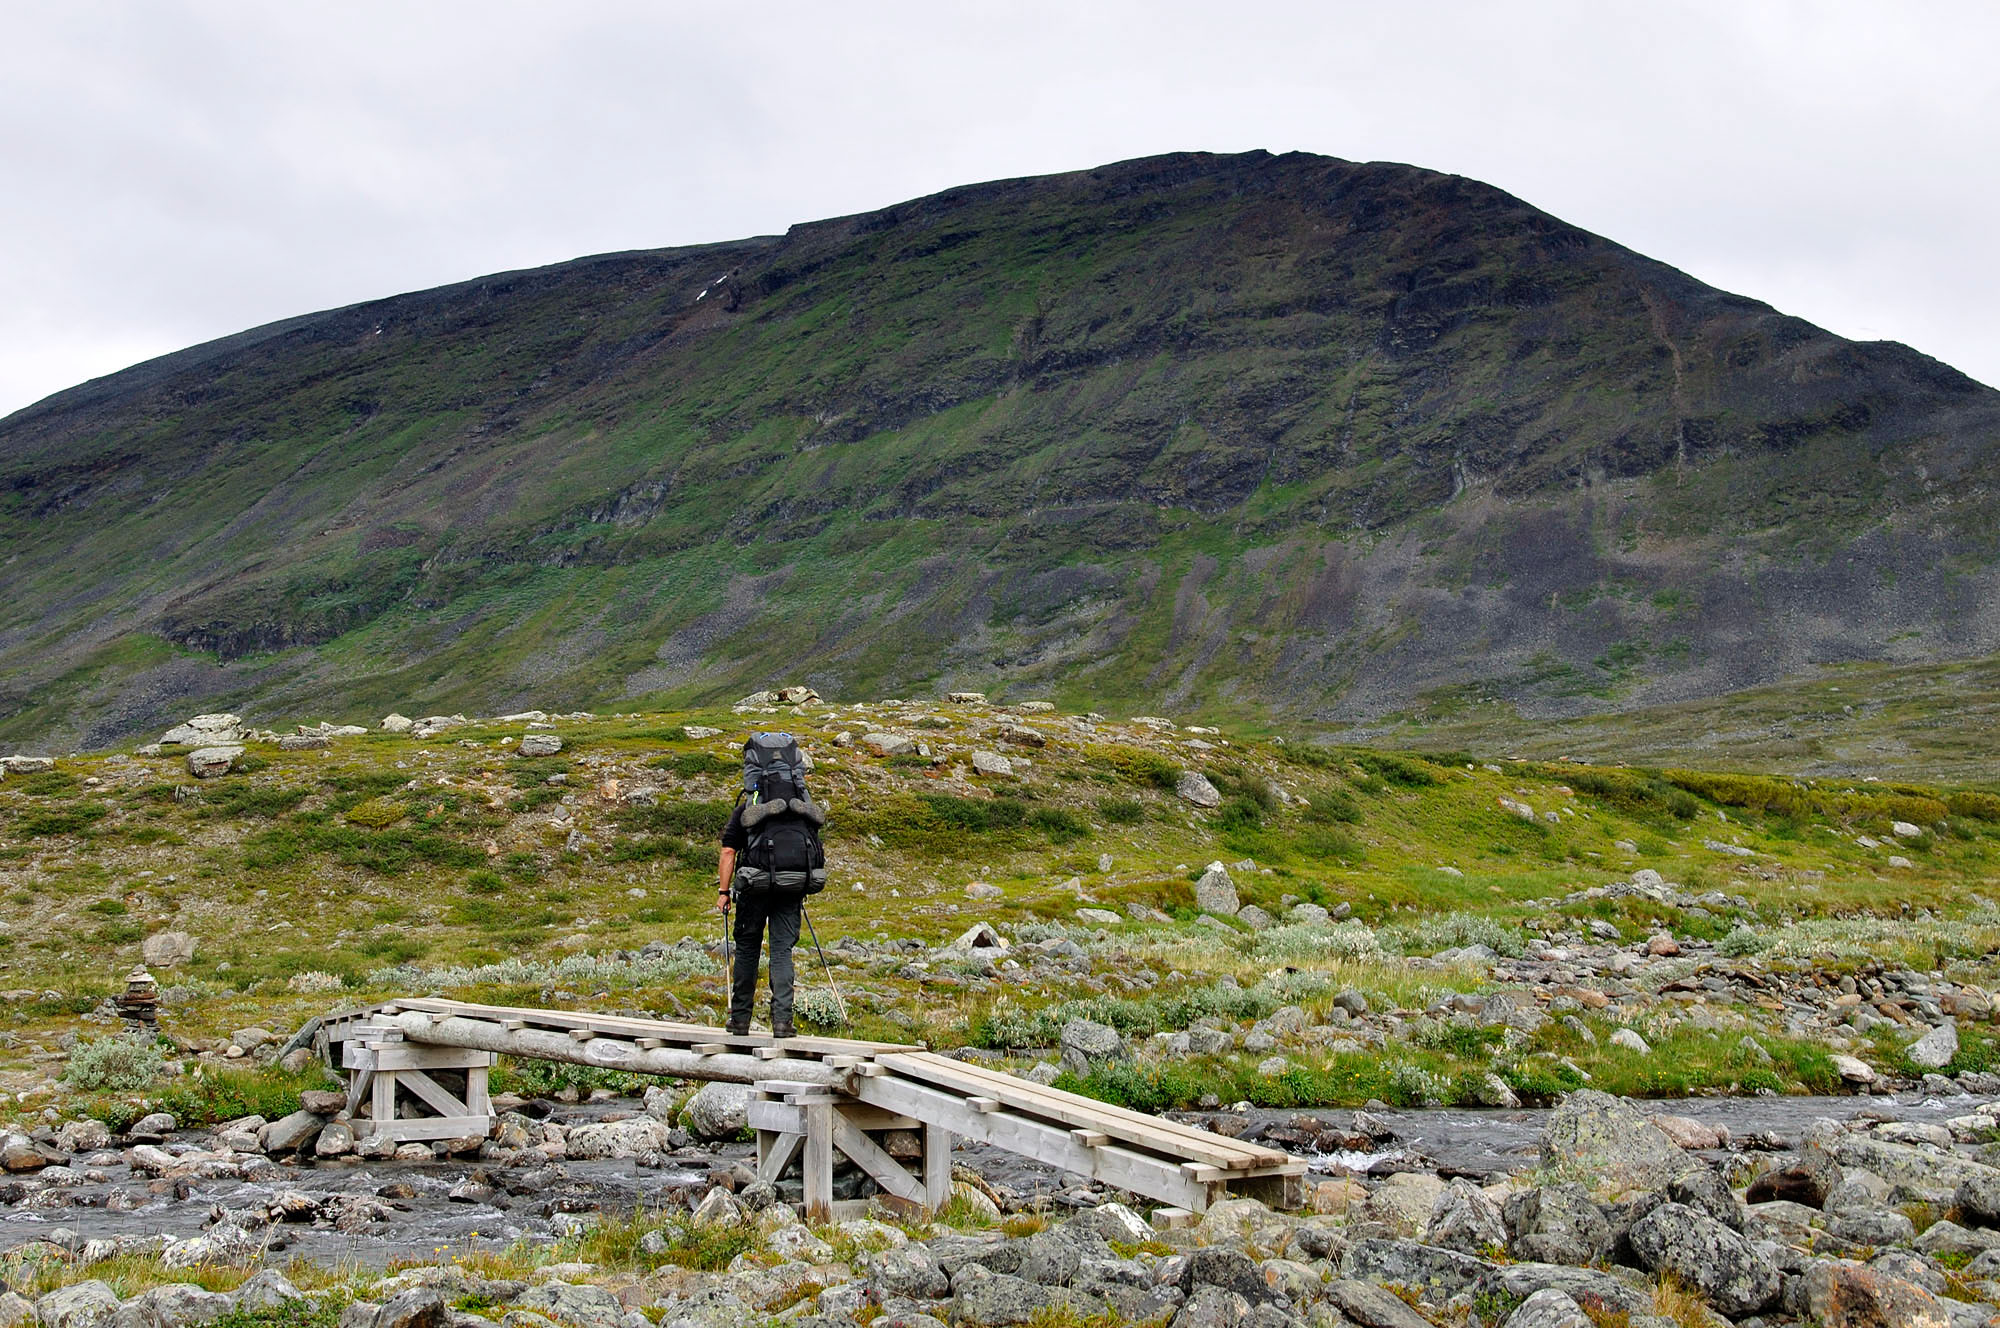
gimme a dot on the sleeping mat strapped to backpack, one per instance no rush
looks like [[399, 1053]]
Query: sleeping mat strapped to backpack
[[780, 819]]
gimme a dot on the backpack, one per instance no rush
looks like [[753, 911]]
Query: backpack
[[780, 819]]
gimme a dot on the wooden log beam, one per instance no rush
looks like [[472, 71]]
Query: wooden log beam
[[606, 1052]]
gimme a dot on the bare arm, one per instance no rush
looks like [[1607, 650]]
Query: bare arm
[[727, 871]]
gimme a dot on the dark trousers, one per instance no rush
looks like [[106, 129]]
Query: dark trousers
[[754, 910]]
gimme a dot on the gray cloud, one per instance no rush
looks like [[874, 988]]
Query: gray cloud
[[176, 171]]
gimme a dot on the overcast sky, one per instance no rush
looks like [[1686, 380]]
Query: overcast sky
[[172, 171]]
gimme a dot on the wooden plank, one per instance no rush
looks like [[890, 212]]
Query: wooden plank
[[358, 1087], [433, 1127], [418, 1056], [790, 1117], [648, 1044], [477, 1097], [676, 1033], [768, 1053], [1154, 1177], [937, 1167], [1025, 1095], [983, 1104], [869, 1156], [582, 1034], [786, 1087], [784, 1147], [1074, 1111], [383, 1103], [819, 1163], [1090, 1138], [709, 1048], [439, 1098]]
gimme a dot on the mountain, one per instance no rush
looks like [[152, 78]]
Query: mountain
[[1209, 434]]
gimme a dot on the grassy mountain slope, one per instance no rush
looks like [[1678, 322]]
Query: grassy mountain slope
[[1236, 432]]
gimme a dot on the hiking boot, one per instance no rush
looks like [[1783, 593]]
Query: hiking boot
[[736, 1027], [782, 1028]]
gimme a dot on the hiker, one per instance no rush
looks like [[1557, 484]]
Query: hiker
[[771, 860]]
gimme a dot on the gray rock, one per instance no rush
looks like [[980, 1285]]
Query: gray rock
[[1351, 1000], [293, 1133], [83, 1136], [1704, 1190], [1845, 1295], [585, 1306], [1464, 1219], [167, 949], [1606, 1143], [1213, 1307], [1935, 1176], [419, 1307], [1548, 1308], [1935, 1049], [268, 1290], [1978, 1198], [336, 1140], [718, 1110], [1087, 1044], [1557, 1224], [1435, 1273], [176, 1305], [1586, 1286], [223, 1243], [16, 1311], [540, 744], [1230, 1269], [89, 1304], [1371, 1306], [209, 762], [1215, 892], [1254, 917], [303, 742], [152, 1127], [1194, 787], [909, 1270], [1943, 1240], [1052, 1257], [1732, 1275], [986, 1299], [635, 1136], [1870, 1226]]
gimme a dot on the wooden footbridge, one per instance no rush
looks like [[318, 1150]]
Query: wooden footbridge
[[417, 1069]]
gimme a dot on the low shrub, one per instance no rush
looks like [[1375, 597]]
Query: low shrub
[[1136, 765], [1974, 804], [1121, 811], [123, 1064]]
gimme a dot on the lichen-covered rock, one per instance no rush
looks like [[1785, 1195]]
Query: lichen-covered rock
[[1194, 787], [16, 1310], [585, 1306], [89, 1304], [1557, 1224], [1087, 1044], [717, 1110], [1731, 1274], [1215, 892], [176, 1305], [910, 1270], [268, 1290], [1585, 1286], [1464, 1219], [1371, 1306], [1435, 1273], [1604, 1142], [1548, 1308], [1845, 1295], [632, 1137]]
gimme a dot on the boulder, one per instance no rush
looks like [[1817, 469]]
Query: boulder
[[1404, 1201], [717, 1110], [293, 1133], [1935, 1049], [992, 763], [1846, 1295], [26, 765], [1731, 1274], [167, 949], [632, 1137], [268, 1290], [1371, 1306], [303, 742], [89, 1304], [205, 730], [1978, 1198], [1087, 1044], [223, 1243], [1935, 1176], [585, 1306], [419, 1307], [16, 1310], [1215, 892], [1604, 1141], [1434, 1273], [1585, 1286], [1704, 1190], [394, 723], [910, 1270], [540, 744], [1464, 1219], [1194, 787], [336, 1140], [1851, 1069], [1557, 1224], [83, 1136], [209, 762], [176, 1305], [1548, 1308], [984, 1299], [889, 744], [20, 1154], [152, 1127], [1689, 1133]]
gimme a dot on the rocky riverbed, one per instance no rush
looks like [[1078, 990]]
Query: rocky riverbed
[[1845, 1212]]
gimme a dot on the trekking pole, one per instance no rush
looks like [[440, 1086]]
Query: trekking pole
[[839, 1002], [728, 966]]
